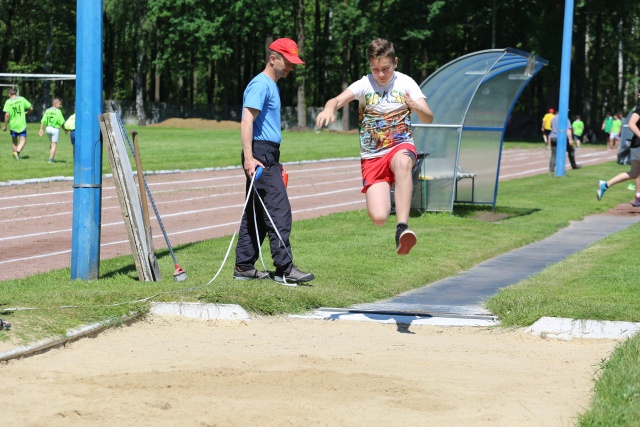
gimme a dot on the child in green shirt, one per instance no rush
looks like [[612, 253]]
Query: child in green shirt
[[53, 120], [15, 110]]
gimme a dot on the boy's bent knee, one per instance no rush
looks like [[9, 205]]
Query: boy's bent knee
[[378, 218]]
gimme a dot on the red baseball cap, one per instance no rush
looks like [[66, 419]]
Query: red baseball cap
[[288, 48], [551, 110]]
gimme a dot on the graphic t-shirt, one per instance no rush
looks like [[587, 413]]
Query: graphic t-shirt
[[385, 118], [52, 117], [263, 94], [16, 107]]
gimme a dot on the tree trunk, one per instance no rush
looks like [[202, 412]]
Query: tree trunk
[[586, 111], [302, 105], [194, 89], [598, 109], [156, 95], [345, 84], [621, 79], [46, 102], [142, 117]]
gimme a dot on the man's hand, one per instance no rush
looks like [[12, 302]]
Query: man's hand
[[250, 165]]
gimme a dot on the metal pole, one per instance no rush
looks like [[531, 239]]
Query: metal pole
[[87, 183], [565, 82]]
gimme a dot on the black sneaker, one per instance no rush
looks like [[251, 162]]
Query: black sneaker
[[636, 203], [405, 240], [293, 277], [252, 274]]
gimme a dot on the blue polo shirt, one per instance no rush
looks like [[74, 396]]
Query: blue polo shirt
[[263, 94]]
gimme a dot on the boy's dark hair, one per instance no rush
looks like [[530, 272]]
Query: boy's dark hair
[[380, 48], [12, 91]]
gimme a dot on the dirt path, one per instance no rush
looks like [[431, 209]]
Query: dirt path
[[168, 371]]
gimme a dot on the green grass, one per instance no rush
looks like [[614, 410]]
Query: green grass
[[616, 400], [354, 261], [170, 148], [337, 248]]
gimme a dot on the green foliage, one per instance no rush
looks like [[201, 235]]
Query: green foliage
[[206, 51]]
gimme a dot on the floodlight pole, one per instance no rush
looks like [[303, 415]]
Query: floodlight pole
[[565, 81], [87, 176]]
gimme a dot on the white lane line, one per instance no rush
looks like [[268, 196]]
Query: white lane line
[[29, 258], [193, 230], [153, 184], [53, 193], [63, 202], [34, 205], [539, 170], [326, 207], [181, 213]]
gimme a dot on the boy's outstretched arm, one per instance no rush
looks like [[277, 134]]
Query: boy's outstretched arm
[[334, 104]]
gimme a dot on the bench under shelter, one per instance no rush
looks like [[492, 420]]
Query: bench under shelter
[[472, 98]]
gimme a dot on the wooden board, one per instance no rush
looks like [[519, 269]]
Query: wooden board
[[114, 137]]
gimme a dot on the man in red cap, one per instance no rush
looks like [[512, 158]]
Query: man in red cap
[[261, 136]]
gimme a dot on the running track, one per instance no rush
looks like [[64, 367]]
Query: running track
[[36, 218]]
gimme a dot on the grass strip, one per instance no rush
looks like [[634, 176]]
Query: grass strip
[[172, 149], [353, 261], [616, 400]]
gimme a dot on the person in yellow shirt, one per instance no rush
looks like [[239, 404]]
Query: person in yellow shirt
[[546, 126]]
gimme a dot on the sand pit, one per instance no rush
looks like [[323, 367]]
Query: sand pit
[[168, 371]]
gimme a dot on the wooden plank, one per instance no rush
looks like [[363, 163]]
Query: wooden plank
[[114, 137]]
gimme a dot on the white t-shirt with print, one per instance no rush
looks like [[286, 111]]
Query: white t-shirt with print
[[384, 117]]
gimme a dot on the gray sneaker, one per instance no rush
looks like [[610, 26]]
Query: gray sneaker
[[293, 277], [251, 274]]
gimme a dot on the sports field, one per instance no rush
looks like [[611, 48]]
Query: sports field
[[193, 206]]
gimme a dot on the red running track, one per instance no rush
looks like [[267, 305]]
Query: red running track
[[36, 218]]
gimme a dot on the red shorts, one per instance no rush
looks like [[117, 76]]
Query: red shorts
[[379, 169]]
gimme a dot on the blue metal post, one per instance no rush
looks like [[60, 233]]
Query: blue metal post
[[565, 82], [87, 183]]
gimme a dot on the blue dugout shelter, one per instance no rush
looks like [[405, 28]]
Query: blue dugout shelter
[[472, 98]]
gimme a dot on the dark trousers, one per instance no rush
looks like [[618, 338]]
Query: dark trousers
[[273, 193], [570, 151]]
